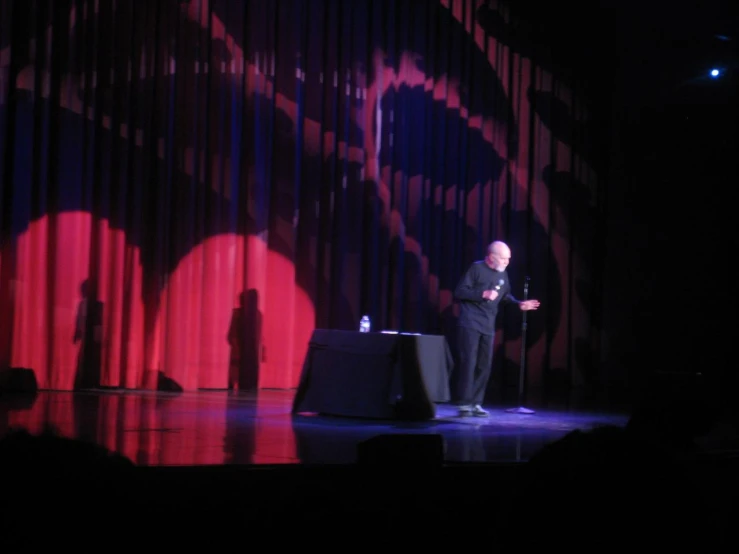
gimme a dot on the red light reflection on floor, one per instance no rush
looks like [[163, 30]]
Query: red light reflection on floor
[[198, 428]]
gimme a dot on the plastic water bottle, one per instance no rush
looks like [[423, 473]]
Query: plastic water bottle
[[364, 324]]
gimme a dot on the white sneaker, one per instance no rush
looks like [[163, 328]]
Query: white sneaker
[[465, 410], [477, 411]]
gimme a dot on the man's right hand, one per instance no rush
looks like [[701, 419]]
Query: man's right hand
[[490, 294]]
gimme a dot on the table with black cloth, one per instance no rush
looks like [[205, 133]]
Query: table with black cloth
[[374, 375]]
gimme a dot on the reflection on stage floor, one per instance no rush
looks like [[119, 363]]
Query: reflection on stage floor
[[221, 427]]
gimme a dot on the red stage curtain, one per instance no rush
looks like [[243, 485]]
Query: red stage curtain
[[190, 188]]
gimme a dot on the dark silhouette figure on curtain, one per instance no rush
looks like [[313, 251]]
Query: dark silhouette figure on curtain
[[88, 331], [245, 339]]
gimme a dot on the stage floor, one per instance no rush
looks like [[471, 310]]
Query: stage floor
[[220, 427]]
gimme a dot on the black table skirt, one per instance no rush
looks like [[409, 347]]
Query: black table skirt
[[374, 375]]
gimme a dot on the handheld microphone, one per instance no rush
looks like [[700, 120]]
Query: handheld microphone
[[500, 284]]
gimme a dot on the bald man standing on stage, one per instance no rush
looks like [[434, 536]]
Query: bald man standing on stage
[[481, 290]]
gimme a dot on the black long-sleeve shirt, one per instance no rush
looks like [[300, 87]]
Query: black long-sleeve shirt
[[475, 312]]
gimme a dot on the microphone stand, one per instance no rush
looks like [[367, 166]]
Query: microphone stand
[[522, 370]]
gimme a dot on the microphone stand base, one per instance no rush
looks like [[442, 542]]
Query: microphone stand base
[[520, 410]]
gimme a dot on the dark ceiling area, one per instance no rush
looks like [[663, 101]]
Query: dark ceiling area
[[650, 51]]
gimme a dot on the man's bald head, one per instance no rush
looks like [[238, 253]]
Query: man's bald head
[[499, 255], [499, 247]]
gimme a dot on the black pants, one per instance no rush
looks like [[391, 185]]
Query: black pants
[[475, 364]]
